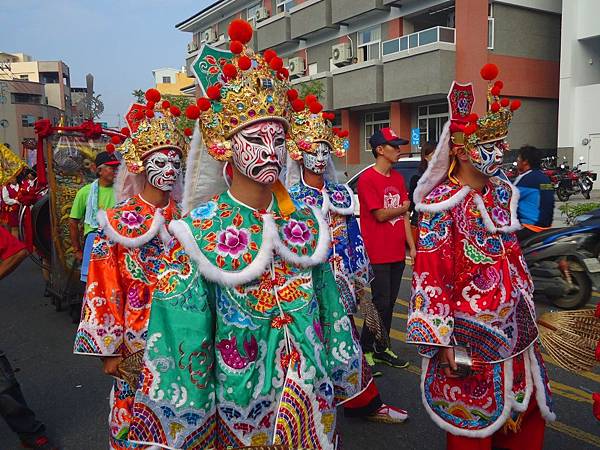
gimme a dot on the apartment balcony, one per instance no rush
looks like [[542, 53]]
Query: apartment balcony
[[321, 83], [344, 10], [419, 64], [358, 84], [189, 61], [273, 31], [309, 17]]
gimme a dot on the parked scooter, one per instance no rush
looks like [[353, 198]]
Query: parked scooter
[[574, 181], [562, 263]]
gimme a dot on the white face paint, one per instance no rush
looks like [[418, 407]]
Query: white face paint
[[162, 169], [259, 151], [317, 162], [487, 158]]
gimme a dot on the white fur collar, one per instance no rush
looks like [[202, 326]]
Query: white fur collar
[[157, 227]]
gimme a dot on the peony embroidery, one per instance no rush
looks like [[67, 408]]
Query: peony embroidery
[[205, 211], [131, 219], [232, 241], [338, 197], [500, 216], [296, 232]]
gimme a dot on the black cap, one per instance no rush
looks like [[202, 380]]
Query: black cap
[[107, 158], [386, 136]]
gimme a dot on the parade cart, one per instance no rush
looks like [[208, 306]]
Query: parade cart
[[67, 154]]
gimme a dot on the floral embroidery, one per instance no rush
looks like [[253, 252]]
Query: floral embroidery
[[296, 232], [338, 196], [233, 241], [132, 219], [500, 216], [205, 211]]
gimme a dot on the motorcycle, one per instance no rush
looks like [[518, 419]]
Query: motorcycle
[[562, 263], [574, 181]]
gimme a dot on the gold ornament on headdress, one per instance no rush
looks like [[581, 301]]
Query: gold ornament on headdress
[[10, 165], [309, 126], [243, 87]]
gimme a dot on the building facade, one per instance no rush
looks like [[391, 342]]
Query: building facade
[[380, 63], [578, 124], [172, 81]]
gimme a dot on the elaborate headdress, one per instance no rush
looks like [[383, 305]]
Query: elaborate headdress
[[10, 165], [466, 129]]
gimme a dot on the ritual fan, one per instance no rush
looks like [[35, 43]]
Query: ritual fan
[[571, 338], [374, 322], [131, 367]]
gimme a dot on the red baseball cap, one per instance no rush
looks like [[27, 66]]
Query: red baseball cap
[[386, 136]]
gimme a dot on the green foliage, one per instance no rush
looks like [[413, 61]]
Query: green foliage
[[139, 95], [182, 102], [576, 210], [314, 87]]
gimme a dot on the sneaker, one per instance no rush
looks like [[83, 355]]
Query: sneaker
[[369, 359], [39, 443], [391, 359], [388, 414]]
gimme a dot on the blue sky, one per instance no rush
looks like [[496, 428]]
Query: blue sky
[[119, 41]]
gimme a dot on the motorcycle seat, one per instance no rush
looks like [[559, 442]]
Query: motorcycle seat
[[538, 237]]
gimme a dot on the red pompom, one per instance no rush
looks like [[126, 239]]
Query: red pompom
[[110, 148], [298, 105], [470, 129], [149, 113], [495, 107], [472, 118], [516, 104], [214, 92], [150, 105], [203, 103], [192, 112], [495, 91], [188, 132], [489, 71], [229, 70], [344, 133], [292, 94], [175, 111], [283, 74], [336, 130], [236, 47], [166, 104], [504, 102], [268, 55], [240, 30], [499, 83], [244, 63], [127, 132], [276, 63], [152, 95], [115, 140], [315, 107], [310, 98]]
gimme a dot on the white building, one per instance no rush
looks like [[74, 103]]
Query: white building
[[579, 99]]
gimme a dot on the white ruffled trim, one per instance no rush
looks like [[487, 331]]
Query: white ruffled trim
[[540, 390], [158, 226], [446, 204], [522, 407], [485, 432]]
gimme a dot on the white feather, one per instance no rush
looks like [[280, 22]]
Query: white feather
[[437, 169]]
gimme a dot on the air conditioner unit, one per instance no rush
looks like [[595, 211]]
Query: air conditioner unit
[[261, 14], [297, 67], [341, 54], [192, 47], [209, 36]]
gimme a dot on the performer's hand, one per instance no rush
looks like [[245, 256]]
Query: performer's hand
[[111, 365], [447, 358], [413, 253], [78, 255]]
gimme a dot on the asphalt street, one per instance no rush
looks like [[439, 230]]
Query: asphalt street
[[70, 393]]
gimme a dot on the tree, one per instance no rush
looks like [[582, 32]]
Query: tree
[[139, 95], [182, 102], [314, 87]]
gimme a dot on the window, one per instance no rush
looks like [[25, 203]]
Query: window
[[26, 98], [490, 33], [27, 120], [24, 77], [312, 69], [251, 14], [284, 5], [375, 121], [431, 120], [369, 43], [166, 80], [49, 77]]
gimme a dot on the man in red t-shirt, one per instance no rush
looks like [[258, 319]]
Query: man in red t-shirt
[[386, 231]]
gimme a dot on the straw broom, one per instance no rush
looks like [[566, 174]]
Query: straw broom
[[571, 338]]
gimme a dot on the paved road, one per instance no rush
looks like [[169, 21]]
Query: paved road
[[70, 393]]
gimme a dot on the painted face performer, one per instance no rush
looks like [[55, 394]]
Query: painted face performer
[[125, 257], [310, 178], [247, 326], [472, 292]]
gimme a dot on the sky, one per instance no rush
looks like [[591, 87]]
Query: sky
[[120, 42]]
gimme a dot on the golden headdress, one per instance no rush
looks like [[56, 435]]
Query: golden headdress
[[241, 87], [10, 165], [309, 125]]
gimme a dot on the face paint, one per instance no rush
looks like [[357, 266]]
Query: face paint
[[162, 169], [259, 151], [317, 162], [487, 158]]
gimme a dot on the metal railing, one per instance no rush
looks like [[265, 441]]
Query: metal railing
[[418, 39]]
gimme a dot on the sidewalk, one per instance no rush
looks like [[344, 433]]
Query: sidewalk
[[559, 218]]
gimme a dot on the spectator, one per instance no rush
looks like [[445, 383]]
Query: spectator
[[427, 150], [386, 231], [89, 199], [11, 206], [536, 202], [13, 407]]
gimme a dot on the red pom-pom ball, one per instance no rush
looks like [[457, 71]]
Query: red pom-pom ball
[[495, 91], [298, 105], [516, 104], [240, 30], [188, 132], [499, 83], [495, 107], [244, 63], [149, 113], [110, 148], [310, 98], [175, 111], [292, 95], [229, 70], [504, 102], [489, 71], [472, 118], [283, 74], [214, 92], [236, 47], [115, 140], [344, 133], [470, 129], [268, 55], [276, 63], [203, 103], [152, 95], [192, 112], [150, 105], [315, 107], [125, 131], [166, 104]]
